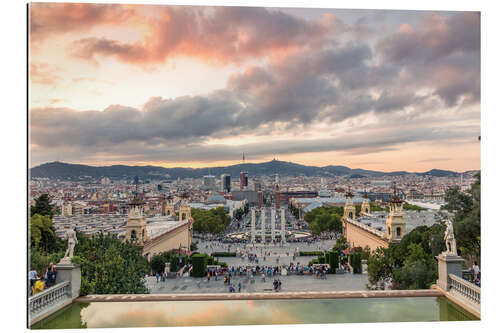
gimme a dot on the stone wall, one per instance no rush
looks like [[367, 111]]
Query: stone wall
[[357, 236], [169, 241]]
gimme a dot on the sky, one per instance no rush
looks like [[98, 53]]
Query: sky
[[199, 86]]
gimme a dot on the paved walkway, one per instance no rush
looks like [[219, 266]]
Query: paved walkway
[[256, 296], [292, 283], [279, 254]]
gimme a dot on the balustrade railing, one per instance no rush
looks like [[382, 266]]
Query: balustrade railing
[[367, 228], [465, 288], [46, 298]]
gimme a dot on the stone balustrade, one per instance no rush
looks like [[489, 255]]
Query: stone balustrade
[[367, 228], [464, 288], [48, 298]]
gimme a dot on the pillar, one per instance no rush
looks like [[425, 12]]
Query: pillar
[[448, 264], [273, 223], [66, 271], [252, 226], [283, 223], [263, 224]]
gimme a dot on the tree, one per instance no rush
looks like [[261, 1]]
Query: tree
[[159, 260], [110, 266], [379, 266], [324, 219], [42, 234], [213, 221], [341, 244], [407, 206], [457, 201], [42, 206], [294, 210], [238, 214], [199, 265], [410, 263], [466, 208]]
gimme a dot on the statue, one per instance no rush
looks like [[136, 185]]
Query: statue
[[72, 240], [449, 239]]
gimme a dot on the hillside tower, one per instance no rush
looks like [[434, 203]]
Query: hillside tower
[[395, 224], [349, 208], [136, 232], [365, 205]]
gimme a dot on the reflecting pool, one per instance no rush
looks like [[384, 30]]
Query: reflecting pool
[[254, 312]]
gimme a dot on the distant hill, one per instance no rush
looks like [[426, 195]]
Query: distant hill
[[59, 170]]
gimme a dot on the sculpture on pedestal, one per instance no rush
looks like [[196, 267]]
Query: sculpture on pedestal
[[449, 239], [72, 240]]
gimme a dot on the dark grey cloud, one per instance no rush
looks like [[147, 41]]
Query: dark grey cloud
[[442, 53], [182, 118], [376, 140], [436, 37]]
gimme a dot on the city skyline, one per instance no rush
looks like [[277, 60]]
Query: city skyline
[[372, 89]]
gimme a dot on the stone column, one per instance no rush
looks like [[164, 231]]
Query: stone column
[[252, 226], [283, 223], [263, 224], [448, 264], [273, 223], [66, 271]]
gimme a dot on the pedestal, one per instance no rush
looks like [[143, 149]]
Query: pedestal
[[448, 264], [66, 271]]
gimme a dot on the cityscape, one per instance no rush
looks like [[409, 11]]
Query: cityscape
[[206, 166]]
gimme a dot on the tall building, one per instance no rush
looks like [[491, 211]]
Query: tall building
[[243, 180], [209, 183], [225, 183]]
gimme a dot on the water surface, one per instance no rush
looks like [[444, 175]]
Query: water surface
[[254, 312]]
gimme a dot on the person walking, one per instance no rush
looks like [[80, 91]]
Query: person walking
[[239, 286]]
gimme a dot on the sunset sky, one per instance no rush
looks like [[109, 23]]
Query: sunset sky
[[198, 86]]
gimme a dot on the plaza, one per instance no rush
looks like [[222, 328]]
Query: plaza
[[290, 283]]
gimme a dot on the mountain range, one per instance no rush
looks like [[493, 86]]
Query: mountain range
[[60, 170]]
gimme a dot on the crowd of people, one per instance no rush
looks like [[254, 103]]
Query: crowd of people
[[44, 281]]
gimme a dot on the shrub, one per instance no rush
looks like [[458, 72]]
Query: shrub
[[223, 254], [355, 262], [333, 261], [199, 265], [76, 260], [310, 253], [321, 260], [312, 262]]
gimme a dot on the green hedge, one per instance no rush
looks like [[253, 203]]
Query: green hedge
[[312, 262], [223, 254], [333, 261], [310, 253], [355, 262], [321, 260], [210, 260], [199, 265]]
